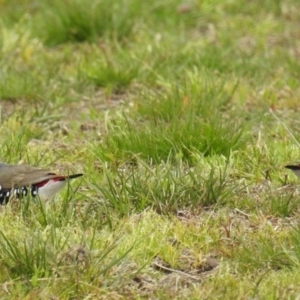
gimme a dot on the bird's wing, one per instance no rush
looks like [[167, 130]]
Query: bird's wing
[[23, 175]]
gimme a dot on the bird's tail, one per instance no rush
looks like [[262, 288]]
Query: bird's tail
[[63, 178], [74, 176]]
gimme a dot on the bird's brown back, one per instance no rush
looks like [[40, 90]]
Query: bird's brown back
[[22, 175]]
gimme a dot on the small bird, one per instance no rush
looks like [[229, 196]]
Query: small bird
[[19, 180], [295, 169]]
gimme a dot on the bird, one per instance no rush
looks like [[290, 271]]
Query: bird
[[295, 169], [20, 180]]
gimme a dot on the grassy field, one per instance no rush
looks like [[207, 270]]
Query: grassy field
[[182, 116]]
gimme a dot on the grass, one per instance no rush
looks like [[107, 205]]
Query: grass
[[182, 117]]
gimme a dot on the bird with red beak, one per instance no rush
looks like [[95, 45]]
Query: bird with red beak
[[19, 180]]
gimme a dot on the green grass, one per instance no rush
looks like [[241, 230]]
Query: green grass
[[182, 117], [96, 19]]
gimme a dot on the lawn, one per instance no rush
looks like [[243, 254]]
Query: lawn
[[182, 117]]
